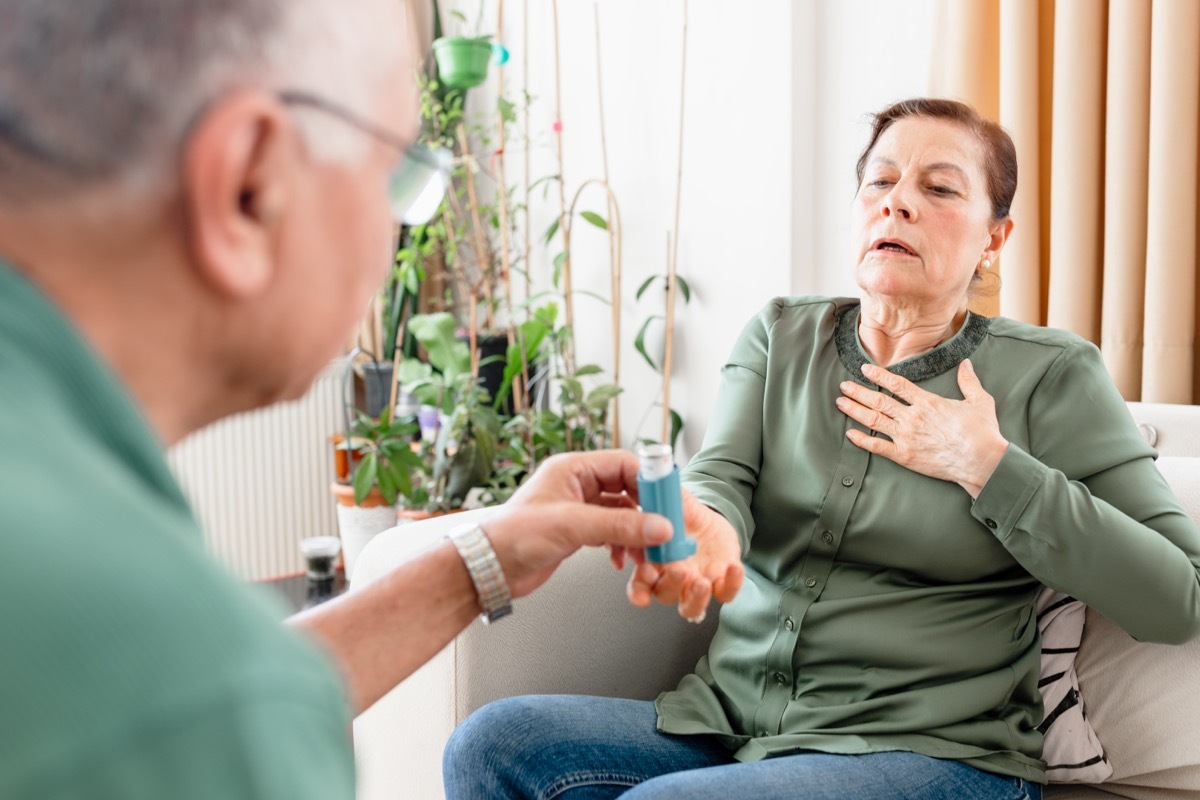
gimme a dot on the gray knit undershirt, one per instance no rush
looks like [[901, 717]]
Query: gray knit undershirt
[[943, 358]]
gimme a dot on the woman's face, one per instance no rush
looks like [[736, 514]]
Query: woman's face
[[922, 216]]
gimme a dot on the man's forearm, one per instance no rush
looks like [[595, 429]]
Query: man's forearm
[[380, 635]]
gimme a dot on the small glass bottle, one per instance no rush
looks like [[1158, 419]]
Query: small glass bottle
[[320, 553]]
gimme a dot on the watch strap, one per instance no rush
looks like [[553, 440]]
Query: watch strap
[[484, 568]]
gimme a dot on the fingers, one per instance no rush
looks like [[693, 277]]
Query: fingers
[[901, 387], [593, 525], [694, 602], [873, 444], [871, 418], [727, 582], [669, 589], [584, 476], [616, 555], [640, 588], [968, 380]]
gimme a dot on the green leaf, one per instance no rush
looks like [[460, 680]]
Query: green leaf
[[559, 260], [587, 369], [553, 229], [595, 219], [508, 111], [599, 397], [593, 295], [645, 285], [364, 476], [387, 486], [543, 179], [676, 426], [458, 15], [446, 353], [639, 342], [400, 477], [574, 389], [547, 315], [683, 289]]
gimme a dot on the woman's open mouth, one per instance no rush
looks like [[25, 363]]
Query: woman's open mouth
[[893, 246]]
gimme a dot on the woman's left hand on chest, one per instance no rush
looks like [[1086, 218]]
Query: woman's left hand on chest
[[952, 440]]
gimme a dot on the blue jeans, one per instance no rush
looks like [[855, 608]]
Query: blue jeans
[[594, 748]]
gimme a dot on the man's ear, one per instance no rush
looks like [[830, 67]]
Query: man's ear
[[237, 171]]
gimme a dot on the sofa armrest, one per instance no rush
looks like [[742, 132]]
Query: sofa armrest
[[576, 634]]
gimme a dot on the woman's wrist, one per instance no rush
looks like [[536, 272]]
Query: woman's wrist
[[983, 467]]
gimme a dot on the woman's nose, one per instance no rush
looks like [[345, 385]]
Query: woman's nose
[[897, 204]]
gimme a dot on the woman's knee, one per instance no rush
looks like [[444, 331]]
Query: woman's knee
[[494, 727]]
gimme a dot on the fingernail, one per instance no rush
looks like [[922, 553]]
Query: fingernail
[[841, 402]]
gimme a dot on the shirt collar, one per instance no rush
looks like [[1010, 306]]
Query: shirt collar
[[943, 358]]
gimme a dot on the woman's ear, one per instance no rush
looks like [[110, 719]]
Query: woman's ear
[[998, 237], [238, 164]]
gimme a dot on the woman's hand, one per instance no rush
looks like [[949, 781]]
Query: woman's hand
[[952, 440], [714, 571]]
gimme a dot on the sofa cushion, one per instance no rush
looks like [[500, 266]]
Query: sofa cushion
[[1144, 699], [1072, 751]]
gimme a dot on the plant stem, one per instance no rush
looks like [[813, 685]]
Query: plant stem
[[481, 256], [525, 79], [514, 333], [614, 257], [564, 220], [672, 270], [614, 253]]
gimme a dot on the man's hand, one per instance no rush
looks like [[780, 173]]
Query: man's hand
[[547, 519], [714, 571], [953, 440]]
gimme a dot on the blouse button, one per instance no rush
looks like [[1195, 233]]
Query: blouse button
[[991, 523], [827, 537], [847, 481], [780, 678], [810, 582], [790, 624]]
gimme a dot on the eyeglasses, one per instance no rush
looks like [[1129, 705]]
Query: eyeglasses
[[417, 184]]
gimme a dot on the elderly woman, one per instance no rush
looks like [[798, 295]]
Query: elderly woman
[[900, 477]]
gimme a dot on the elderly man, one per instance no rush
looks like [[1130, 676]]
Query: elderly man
[[193, 211]]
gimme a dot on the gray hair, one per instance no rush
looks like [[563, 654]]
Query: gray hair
[[106, 90]]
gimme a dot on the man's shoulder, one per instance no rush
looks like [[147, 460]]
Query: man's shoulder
[[118, 622]]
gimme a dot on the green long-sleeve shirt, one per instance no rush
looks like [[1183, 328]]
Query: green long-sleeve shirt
[[884, 610], [132, 666]]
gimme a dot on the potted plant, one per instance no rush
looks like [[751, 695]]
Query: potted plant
[[380, 450], [462, 61], [462, 455]]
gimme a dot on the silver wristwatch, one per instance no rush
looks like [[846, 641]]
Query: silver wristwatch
[[477, 553]]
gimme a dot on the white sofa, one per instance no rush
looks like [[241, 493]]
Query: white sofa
[[578, 634]]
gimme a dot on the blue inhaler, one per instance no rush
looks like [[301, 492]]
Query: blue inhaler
[[659, 493]]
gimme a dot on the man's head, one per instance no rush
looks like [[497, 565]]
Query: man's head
[[106, 90], [156, 184]]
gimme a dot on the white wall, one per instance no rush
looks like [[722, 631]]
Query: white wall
[[775, 97], [864, 55]]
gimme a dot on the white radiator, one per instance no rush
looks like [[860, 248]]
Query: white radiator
[[259, 481]]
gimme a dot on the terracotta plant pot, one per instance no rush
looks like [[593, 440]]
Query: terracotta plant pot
[[360, 523], [462, 61]]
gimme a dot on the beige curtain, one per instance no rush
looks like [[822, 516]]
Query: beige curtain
[[1102, 99]]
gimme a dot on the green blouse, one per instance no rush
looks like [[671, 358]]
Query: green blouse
[[884, 610]]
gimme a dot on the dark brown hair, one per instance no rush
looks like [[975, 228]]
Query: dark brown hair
[[1000, 156]]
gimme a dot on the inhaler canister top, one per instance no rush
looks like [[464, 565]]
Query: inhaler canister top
[[655, 460]]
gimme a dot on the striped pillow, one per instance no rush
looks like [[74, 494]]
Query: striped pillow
[[1072, 752]]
